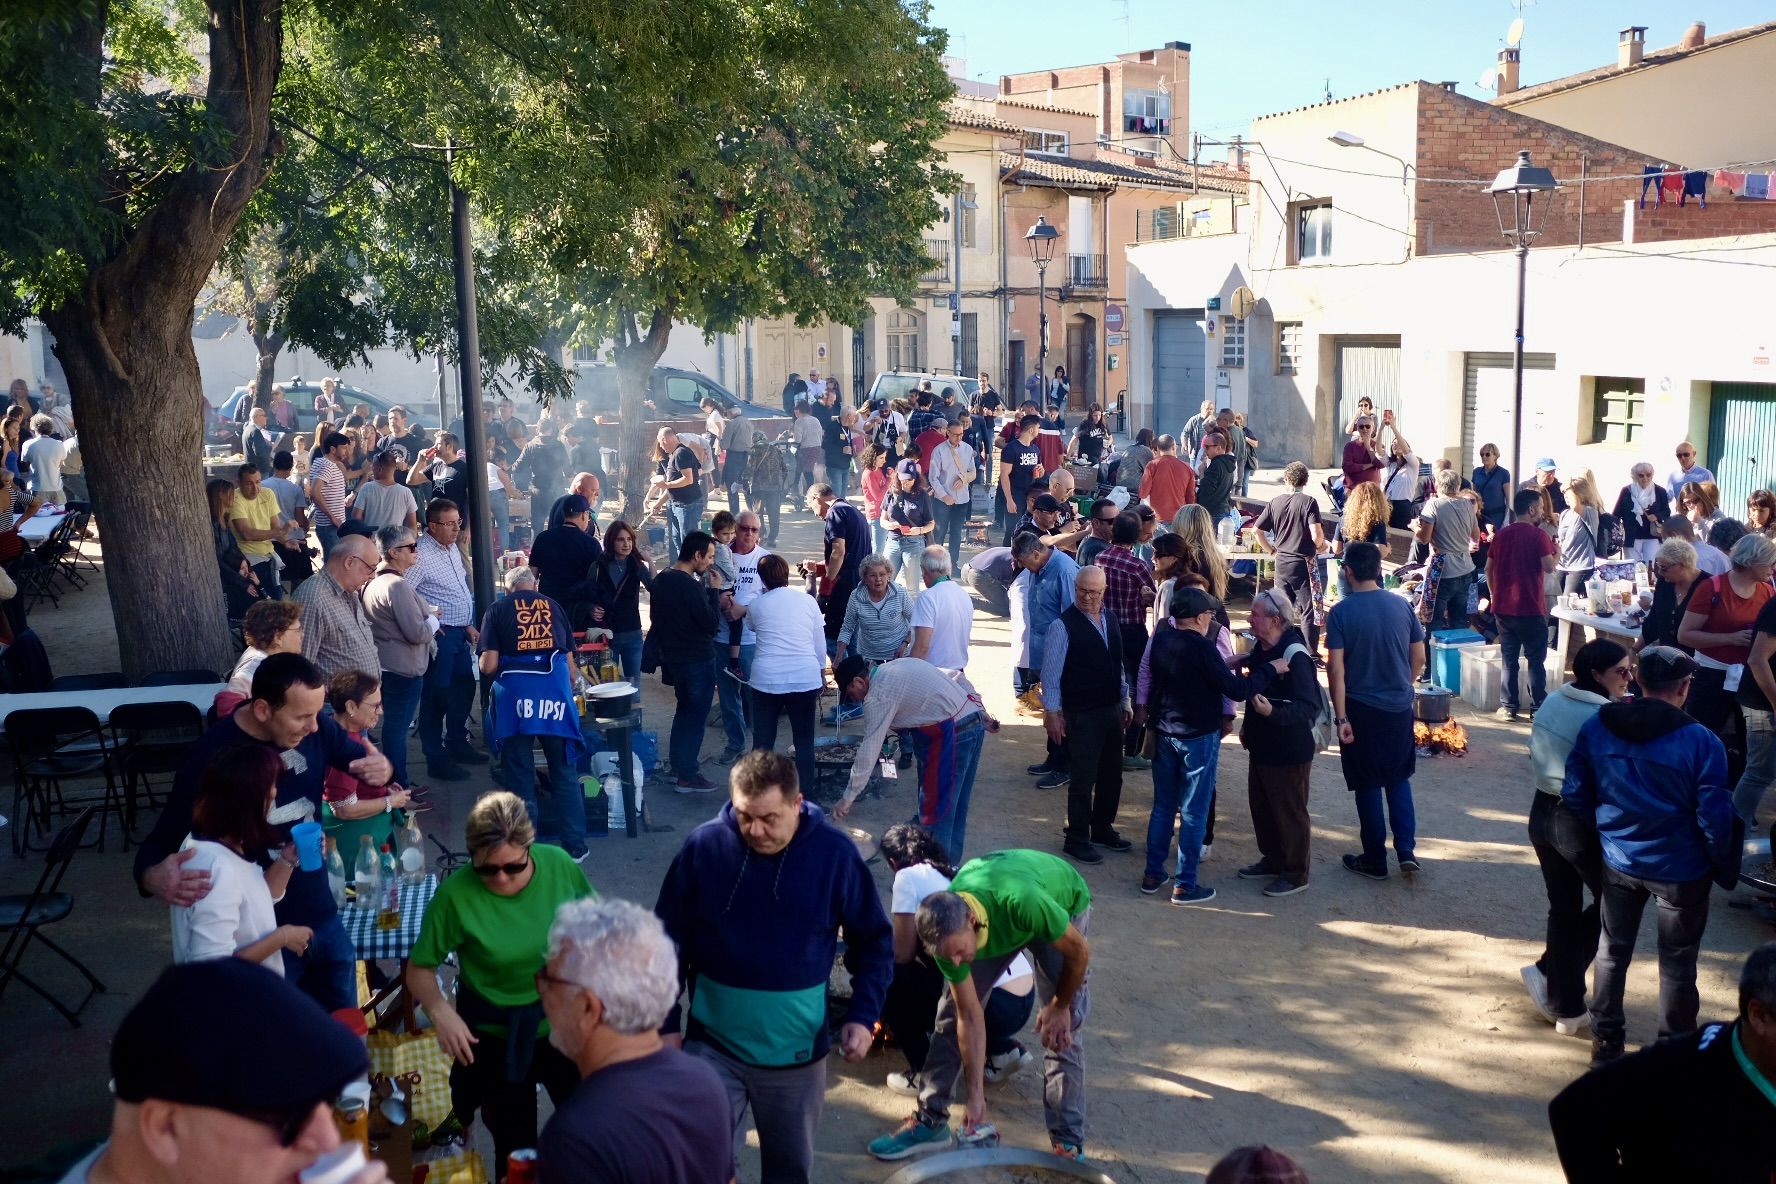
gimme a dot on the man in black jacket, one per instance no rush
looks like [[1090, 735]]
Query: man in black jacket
[[1215, 485], [1696, 1107], [681, 641]]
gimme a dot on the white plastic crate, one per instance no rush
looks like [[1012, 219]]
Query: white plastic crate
[[1482, 677]]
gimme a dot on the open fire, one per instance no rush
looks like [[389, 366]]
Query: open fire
[[1449, 737]]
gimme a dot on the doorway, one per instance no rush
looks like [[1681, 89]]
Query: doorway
[[1082, 361], [1014, 375]]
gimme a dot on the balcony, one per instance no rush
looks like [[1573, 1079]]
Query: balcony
[[939, 250], [1087, 271]]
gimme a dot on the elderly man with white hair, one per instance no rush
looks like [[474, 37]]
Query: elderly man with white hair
[[943, 618], [1449, 525], [644, 1112]]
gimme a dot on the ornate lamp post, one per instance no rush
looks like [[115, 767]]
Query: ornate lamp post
[[1041, 240], [1516, 190]]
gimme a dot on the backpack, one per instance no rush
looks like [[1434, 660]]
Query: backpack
[[1325, 732], [1611, 538]]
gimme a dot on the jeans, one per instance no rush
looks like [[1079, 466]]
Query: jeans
[[1372, 824], [269, 581], [1683, 914], [1567, 847], [1760, 764], [785, 1105], [1183, 784], [1094, 743], [628, 649], [732, 697], [951, 827], [694, 685], [904, 552], [768, 505], [880, 539], [326, 534], [448, 695], [328, 971], [499, 508], [682, 518], [952, 522], [400, 704], [1527, 636], [1450, 610], [566, 816], [910, 1011], [1063, 1073], [768, 708], [838, 472]]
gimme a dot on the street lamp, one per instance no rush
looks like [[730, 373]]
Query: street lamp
[[1516, 189], [958, 203], [1352, 140], [1041, 240]]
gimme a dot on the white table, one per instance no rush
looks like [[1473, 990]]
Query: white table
[[37, 528], [101, 703], [1613, 626]]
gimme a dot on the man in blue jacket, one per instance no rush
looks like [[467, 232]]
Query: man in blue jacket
[[1052, 572], [755, 901], [1656, 782]]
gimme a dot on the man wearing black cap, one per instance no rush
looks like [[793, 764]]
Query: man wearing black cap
[[224, 1072], [284, 715], [1656, 781]]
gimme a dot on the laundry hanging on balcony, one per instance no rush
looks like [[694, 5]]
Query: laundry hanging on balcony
[[1756, 186]]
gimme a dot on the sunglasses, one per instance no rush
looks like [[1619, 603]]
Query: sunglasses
[[488, 871], [543, 976], [405, 547], [1620, 671]]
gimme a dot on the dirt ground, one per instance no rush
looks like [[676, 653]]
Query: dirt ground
[[1374, 1031]]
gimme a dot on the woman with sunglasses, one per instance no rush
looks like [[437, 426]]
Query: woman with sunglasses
[[495, 917], [1700, 503], [1565, 840], [401, 624]]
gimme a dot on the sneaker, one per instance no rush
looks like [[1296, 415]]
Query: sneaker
[[1081, 851], [1208, 850], [444, 769], [693, 785], [466, 755], [1573, 1025], [905, 1083], [1152, 884], [729, 756], [1536, 983], [1505, 715], [582, 857], [1005, 1064], [1354, 863], [1201, 894], [1065, 1150], [1256, 871], [1055, 780], [1604, 1051], [1037, 770], [1409, 867], [913, 1137], [1284, 887], [1135, 760], [1111, 841]]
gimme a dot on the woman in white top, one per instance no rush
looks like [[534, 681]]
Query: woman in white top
[[920, 868], [787, 663], [228, 832], [1400, 481]]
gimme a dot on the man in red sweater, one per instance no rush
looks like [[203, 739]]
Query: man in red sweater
[[1168, 483]]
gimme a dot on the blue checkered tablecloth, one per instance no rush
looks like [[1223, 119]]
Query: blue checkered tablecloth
[[373, 943]]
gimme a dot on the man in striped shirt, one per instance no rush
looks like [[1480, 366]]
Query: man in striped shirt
[[441, 579], [326, 488], [1128, 593]]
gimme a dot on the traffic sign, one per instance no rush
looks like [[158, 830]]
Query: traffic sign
[[1113, 317], [952, 302]]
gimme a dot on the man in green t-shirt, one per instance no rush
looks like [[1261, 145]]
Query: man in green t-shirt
[[998, 905]]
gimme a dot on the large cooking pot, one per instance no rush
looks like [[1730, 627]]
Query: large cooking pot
[[1431, 705], [612, 700], [1007, 1164]]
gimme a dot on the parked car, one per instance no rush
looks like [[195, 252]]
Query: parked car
[[900, 384], [674, 396], [301, 394]]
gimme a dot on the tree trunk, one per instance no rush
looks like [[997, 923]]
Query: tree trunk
[[269, 345], [125, 342], [636, 355]]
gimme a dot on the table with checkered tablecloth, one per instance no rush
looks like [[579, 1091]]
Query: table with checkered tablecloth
[[373, 942]]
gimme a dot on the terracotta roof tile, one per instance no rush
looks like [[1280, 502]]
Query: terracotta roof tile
[[1657, 57]]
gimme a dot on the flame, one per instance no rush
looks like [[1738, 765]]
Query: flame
[[1449, 737]]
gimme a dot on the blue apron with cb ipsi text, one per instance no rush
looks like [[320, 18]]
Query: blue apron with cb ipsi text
[[536, 703]]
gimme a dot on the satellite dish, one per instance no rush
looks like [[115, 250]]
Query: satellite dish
[[1514, 34], [1488, 79], [1242, 302]]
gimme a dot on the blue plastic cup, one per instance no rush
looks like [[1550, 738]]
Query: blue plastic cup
[[308, 837]]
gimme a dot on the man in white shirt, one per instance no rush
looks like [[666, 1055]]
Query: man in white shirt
[[441, 578], [943, 618], [947, 723], [43, 453]]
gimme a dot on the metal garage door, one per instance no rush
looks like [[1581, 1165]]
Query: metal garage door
[[1487, 398], [1179, 373], [1369, 368], [1741, 430]]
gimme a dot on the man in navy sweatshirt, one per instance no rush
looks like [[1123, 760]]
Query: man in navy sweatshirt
[[755, 901]]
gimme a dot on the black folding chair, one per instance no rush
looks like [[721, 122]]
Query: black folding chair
[[180, 678], [22, 919], [52, 746], [77, 555], [37, 576], [149, 740], [68, 560], [112, 680]]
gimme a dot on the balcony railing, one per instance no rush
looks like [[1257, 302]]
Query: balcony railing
[[1087, 271], [939, 250]]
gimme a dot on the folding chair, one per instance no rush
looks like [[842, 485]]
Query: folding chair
[[77, 555], [111, 680], [179, 678], [51, 746], [22, 919], [69, 557], [46, 560], [149, 740]]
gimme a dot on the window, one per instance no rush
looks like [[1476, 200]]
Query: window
[[686, 392], [1233, 341], [1046, 142], [1147, 112], [970, 343], [1313, 232], [903, 341], [1288, 347], [1618, 410], [969, 210]]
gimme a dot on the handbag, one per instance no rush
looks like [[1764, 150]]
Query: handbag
[[1325, 731], [400, 1054], [462, 1167]]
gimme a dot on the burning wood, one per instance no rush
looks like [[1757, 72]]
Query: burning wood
[[1449, 737]]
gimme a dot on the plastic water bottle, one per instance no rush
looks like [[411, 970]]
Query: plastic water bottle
[[367, 874], [335, 873], [412, 851], [391, 886]]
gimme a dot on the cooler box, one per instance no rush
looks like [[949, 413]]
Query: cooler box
[[1446, 651], [1482, 677]]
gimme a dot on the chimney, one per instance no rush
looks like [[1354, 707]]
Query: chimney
[[1450, 86], [1510, 58], [1694, 36], [1236, 155], [1630, 46]]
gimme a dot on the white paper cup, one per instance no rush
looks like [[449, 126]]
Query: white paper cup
[[338, 1166]]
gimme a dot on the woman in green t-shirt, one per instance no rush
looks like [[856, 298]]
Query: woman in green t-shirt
[[496, 921]]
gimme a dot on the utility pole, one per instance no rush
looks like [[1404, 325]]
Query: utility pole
[[956, 282], [468, 340]]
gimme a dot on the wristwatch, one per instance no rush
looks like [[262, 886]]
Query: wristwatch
[[1341, 720]]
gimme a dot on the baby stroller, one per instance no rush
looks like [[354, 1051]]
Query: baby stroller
[[1334, 486]]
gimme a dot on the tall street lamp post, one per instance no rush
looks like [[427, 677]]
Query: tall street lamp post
[[1516, 189], [1041, 240]]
